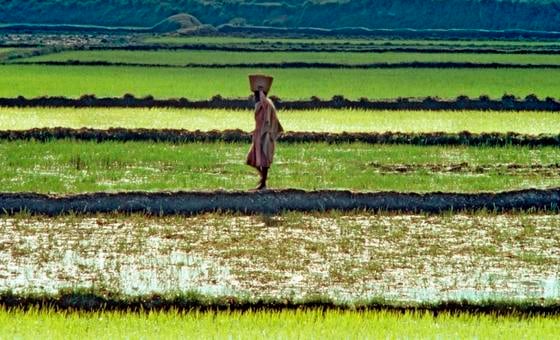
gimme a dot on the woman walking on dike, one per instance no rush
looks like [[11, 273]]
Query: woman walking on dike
[[267, 128]]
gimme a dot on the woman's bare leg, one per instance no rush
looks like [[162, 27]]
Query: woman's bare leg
[[264, 176]]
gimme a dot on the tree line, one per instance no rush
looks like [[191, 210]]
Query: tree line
[[417, 14]]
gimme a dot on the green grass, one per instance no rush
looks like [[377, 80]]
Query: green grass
[[325, 120], [220, 57], [271, 325], [67, 166], [202, 83], [343, 41]]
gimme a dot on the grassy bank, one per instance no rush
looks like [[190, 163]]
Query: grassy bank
[[184, 57], [325, 120], [71, 166], [203, 83], [299, 324]]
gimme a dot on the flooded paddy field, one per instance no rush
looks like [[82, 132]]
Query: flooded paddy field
[[348, 257]]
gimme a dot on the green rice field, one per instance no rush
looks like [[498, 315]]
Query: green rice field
[[170, 40], [184, 57], [203, 83], [73, 166], [346, 257], [284, 325], [324, 120]]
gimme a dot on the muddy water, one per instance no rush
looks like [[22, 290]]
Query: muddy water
[[398, 257]]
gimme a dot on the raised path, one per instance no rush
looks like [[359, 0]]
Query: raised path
[[506, 103], [238, 136], [276, 201]]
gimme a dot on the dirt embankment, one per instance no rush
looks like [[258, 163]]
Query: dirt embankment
[[239, 136], [466, 168], [287, 65], [276, 201], [506, 103], [93, 301]]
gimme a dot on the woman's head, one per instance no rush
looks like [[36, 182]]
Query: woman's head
[[259, 95], [260, 82]]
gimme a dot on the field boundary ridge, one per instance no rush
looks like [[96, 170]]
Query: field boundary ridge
[[276, 201], [240, 136], [507, 103], [301, 65], [323, 47], [90, 300]]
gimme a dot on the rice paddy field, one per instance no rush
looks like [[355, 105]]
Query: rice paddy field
[[324, 120], [495, 258], [284, 325], [203, 83], [348, 257], [75, 166], [182, 40], [185, 57]]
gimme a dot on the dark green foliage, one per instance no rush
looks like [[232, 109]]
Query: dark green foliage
[[533, 15], [177, 22]]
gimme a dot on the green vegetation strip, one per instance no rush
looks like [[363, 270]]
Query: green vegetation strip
[[262, 324], [74, 166], [9, 53], [4, 51], [231, 40], [324, 120], [202, 83], [334, 48], [182, 57]]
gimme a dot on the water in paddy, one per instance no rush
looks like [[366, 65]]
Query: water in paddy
[[347, 258]]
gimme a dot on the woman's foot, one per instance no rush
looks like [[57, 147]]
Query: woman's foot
[[262, 182]]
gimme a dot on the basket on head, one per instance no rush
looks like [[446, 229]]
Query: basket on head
[[260, 82]]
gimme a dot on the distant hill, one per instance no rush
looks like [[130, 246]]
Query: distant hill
[[419, 14]]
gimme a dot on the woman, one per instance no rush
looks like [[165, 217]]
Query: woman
[[267, 128]]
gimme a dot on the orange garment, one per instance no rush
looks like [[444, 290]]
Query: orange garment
[[267, 130]]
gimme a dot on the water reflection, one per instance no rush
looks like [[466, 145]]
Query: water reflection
[[181, 272]]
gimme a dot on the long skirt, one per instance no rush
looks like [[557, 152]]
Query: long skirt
[[262, 152]]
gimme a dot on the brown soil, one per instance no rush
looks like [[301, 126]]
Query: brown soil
[[466, 168], [276, 201], [287, 65], [507, 103]]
